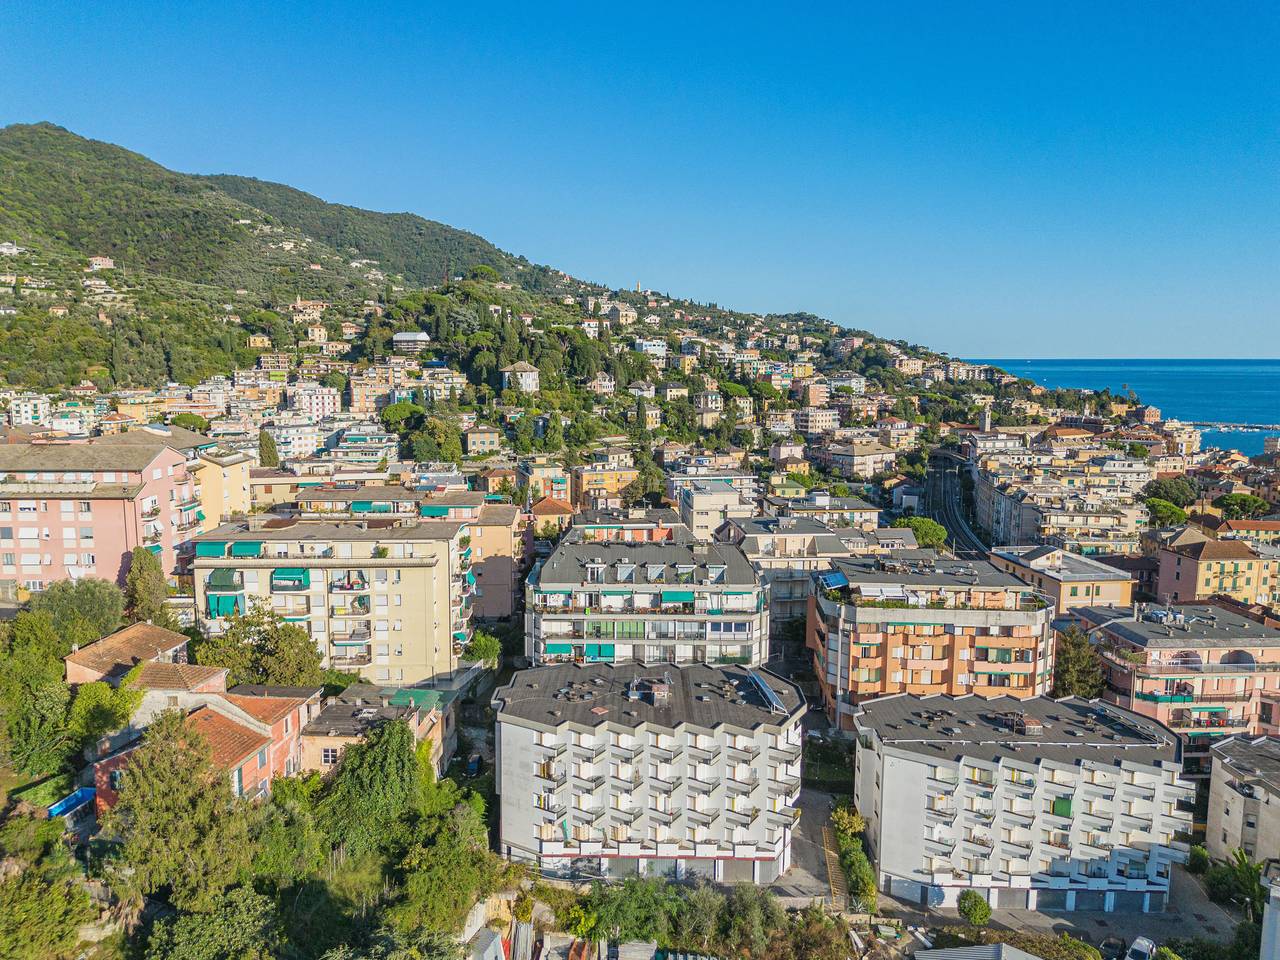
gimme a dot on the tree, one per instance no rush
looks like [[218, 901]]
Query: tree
[[260, 647], [145, 590], [179, 826], [191, 421], [1241, 506], [1249, 887], [752, 914], [240, 924], [99, 708], [268, 455], [1165, 514], [376, 784], [974, 908], [929, 533], [89, 607], [485, 647], [1198, 859], [40, 915], [1180, 491], [1077, 670]]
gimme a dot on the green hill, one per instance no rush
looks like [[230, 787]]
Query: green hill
[[83, 197], [402, 243]]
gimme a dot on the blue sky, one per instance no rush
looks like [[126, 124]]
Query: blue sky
[[1016, 179]]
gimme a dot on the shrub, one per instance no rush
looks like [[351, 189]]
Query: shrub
[[974, 908], [1198, 859], [1220, 883]]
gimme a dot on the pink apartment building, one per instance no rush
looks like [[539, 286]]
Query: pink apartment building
[[71, 510], [1201, 670]]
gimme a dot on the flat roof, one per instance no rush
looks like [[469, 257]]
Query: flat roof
[[949, 728], [927, 569], [1254, 759], [1200, 625], [1055, 563], [593, 694], [290, 530]]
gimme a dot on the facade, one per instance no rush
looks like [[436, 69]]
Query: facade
[[821, 506], [1068, 579], [350, 716], [1203, 671], [71, 510], [596, 485], [704, 507], [498, 559], [785, 552], [520, 376], [111, 657], [391, 598], [670, 602], [920, 623], [1233, 568], [482, 440], [1244, 798], [611, 771], [1034, 804]]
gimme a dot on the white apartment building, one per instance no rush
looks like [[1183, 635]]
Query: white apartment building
[[29, 410], [705, 506], [612, 771], [314, 400], [1035, 804], [296, 438]]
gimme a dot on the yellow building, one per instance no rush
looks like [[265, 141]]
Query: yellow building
[[222, 484], [595, 481]]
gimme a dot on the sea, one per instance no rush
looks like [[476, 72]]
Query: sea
[[1224, 391]]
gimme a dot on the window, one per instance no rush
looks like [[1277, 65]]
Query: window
[[262, 758], [329, 756]]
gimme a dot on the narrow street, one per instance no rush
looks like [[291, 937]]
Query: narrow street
[[944, 504]]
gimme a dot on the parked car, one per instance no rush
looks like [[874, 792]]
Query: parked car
[[1141, 949], [1111, 948]]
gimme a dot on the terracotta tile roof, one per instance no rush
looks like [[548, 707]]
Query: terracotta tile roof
[[1252, 525], [266, 709], [179, 676], [229, 742], [1217, 550], [550, 505], [126, 647]]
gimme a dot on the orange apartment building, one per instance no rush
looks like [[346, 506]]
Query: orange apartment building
[[1202, 670], [598, 484], [926, 625], [1068, 579]]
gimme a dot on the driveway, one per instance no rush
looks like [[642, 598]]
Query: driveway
[[807, 878]]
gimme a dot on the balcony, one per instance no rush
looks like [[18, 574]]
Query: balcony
[[591, 751], [151, 514], [703, 818], [352, 583], [665, 754], [627, 815], [940, 815], [357, 609], [663, 784], [190, 503], [664, 816], [351, 659], [585, 783], [154, 537], [944, 785], [741, 785], [186, 526], [553, 779], [702, 754], [550, 750], [1019, 788], [700, 786], [743, 754], [786, 751], [626, 783], [625, 753], [742, 818], [549, 811], [939, 845]]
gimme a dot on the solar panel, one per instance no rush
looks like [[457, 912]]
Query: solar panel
[[766, 691]]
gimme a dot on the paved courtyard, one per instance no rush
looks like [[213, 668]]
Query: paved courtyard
[[1191, 914]]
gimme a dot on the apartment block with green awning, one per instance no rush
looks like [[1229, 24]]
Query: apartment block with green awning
[[290, 578], [677, 596], [246, 548], [223, 580]]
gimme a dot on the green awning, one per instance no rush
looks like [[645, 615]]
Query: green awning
[[617, 593], [299, 576], [211, 548], [1210, 709], [677, 596], [1062, 807], [156, 548], [223, 579], [200, 515], [460, 636], [430, 510], [225, 604], [359, 506], [246, 548], [471, 578], [559, 648], [381, 508]]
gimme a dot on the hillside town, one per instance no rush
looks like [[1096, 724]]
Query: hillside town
[[678, 594]]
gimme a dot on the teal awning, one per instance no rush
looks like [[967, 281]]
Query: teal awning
[[617, 593], [460, 635], [359, 506], [223, 579], [559, 648], [431, 510], [677, 596], [211, 548], [225, 604], [1210, 709], [156, 548], [291, 575], [199, 514], [246, 548], [471, 578], [349, 642]]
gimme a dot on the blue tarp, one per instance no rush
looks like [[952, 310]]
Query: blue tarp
[[833, 580]]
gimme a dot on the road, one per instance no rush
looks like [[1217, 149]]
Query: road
[[944, 503]]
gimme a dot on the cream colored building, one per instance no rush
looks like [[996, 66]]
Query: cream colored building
[[390, 598], [222, 484]]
